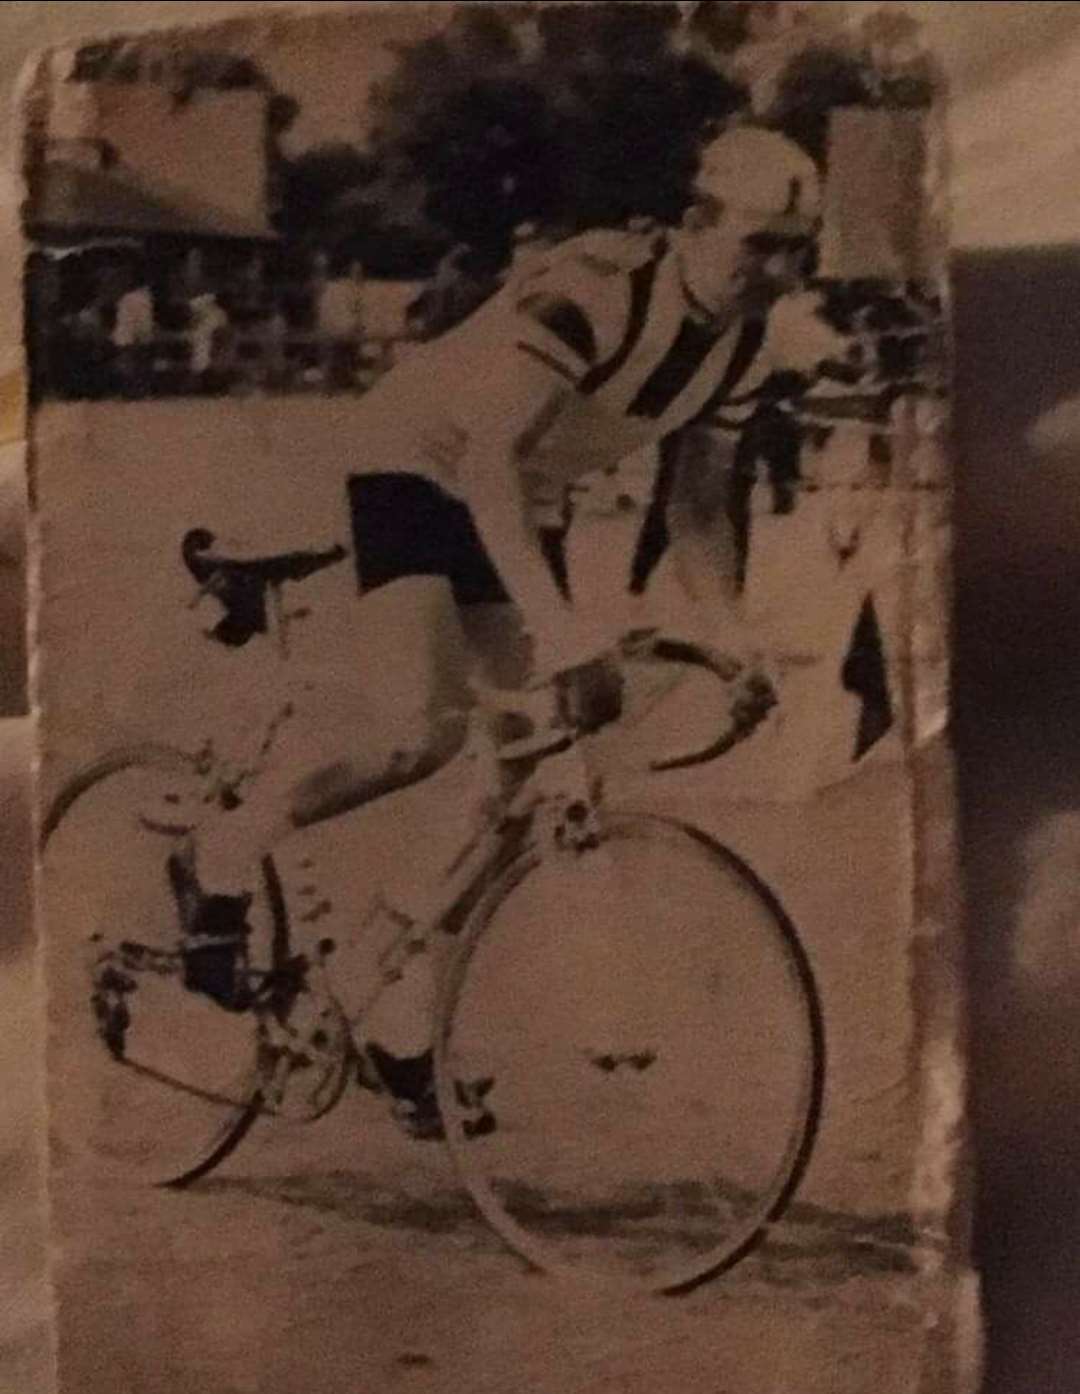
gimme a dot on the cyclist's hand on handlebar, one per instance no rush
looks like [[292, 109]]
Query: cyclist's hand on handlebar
[[591, 694], [577, 658]]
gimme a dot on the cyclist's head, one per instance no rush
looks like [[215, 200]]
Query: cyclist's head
[[754, 216]]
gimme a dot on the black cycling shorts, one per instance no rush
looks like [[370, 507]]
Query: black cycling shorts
[[405, 525]]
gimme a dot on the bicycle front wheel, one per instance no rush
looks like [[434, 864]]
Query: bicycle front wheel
[[655, 1035]]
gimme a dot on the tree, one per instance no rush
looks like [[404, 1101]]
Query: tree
[[462, 115], [814, 83], [312, 185], [628, 112], [722, 26], [573, 115], [880, 64]]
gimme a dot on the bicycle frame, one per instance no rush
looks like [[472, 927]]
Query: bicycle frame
[[551, 806], [549, 802], [308, 1044], [552, 800]]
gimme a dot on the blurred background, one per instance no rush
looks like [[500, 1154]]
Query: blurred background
[[1014, 69]]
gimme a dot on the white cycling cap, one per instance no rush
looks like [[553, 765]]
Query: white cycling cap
[[766, 176]]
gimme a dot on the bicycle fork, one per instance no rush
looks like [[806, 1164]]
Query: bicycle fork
[[610, 1024]]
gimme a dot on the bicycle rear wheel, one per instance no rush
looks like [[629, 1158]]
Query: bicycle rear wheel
[[654, 1030], [151, 1081]]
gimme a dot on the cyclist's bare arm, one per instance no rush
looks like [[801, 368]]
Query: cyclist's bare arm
[[493, 473], [702, 535]]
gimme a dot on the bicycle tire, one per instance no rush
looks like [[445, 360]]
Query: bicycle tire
[[187, 1162], [791, 1167], [149, 755]]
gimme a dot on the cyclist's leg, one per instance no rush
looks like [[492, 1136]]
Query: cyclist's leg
[[499, 646], [358, 731], [350, 740], [399, 1029]]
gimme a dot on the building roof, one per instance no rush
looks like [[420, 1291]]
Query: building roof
[[69, 198]]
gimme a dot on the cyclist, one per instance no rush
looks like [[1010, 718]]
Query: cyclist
[[613, 341]]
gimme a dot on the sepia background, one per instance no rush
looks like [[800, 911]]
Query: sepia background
[[1018, 601], [120, 659]]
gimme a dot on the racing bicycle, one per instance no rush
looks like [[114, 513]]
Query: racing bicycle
[[633, 995]]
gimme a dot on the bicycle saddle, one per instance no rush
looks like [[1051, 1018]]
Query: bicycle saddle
[[273, 569], [241, 583]]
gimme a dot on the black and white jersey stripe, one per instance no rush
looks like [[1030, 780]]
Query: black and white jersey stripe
[[630, 338]]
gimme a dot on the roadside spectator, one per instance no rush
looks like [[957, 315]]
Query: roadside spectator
[[254, 341], [89, 331], [207, 324], [339, 320], [248, 299], [133, 331]]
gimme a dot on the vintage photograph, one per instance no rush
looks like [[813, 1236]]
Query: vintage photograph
[[491, 495]]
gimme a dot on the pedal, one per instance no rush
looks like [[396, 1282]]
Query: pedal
[[418, 1120], [483, 1126], [367, 1076], [610, 1063], [472, 1093]]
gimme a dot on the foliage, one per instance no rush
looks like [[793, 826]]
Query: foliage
[[311, 185], [564, 115], [814, 83], [722, 25]]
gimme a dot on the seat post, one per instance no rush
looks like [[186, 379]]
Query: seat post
[[280, 622]]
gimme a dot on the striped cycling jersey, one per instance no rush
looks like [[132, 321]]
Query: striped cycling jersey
[[615, 354], [611, 319], [623, 332]]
